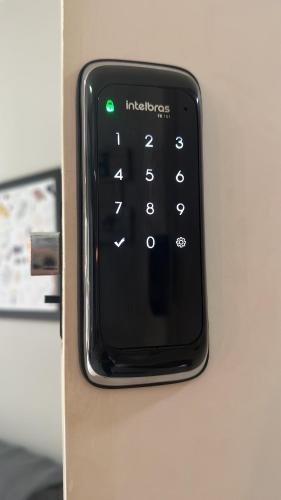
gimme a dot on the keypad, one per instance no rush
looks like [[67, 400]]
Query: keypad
[[117, 175], [148, 210]]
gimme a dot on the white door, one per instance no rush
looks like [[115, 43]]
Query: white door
[[217, 437]]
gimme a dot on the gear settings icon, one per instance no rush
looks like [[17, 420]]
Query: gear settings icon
[[181, 242]]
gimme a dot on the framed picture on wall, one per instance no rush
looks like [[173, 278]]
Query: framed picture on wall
[[29, 204]]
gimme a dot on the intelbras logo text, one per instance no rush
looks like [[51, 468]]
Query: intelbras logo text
[[147, 106]]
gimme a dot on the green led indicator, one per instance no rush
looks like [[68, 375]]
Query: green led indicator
[[109, 106]]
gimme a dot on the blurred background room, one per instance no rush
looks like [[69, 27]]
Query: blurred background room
[[30, 344]]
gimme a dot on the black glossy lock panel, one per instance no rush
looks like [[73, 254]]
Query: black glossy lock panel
[[142, 299], [149, 242]]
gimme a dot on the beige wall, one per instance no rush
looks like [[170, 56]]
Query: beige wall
[[217, 437], [30, 351]]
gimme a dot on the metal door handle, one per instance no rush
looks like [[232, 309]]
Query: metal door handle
[[45, 254]]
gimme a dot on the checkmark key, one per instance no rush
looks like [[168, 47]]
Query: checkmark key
[[119, 243]]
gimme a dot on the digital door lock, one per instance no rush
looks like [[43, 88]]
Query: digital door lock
[[143, 318]]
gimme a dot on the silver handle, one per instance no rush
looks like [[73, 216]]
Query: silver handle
[[45, 254]]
